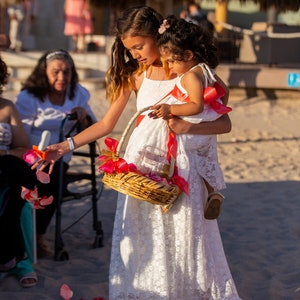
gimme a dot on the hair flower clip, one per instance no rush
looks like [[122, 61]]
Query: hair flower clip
[[163, 27]]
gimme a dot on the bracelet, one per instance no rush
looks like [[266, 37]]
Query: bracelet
[[71, 143]]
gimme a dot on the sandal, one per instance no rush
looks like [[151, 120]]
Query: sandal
[[28, 280], [213, 206]]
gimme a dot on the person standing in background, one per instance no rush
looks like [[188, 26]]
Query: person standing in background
[[195, 11], [16, 14], [194, 14], [78, 22]]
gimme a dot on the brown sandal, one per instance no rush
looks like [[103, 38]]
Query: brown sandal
[[213, 206]]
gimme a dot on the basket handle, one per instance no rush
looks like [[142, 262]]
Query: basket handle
[[134, 117]]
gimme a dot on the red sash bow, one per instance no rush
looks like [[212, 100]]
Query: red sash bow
[[210, 94]]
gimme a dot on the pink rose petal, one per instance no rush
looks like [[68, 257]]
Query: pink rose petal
[[65, 292], [30, 157], [46, 200], [42, 177]]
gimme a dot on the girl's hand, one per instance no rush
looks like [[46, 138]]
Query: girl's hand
[[161, 111], [54, 152]]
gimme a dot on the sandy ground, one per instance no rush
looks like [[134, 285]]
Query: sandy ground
[[259, 221]]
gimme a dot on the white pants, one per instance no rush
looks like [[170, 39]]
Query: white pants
[[14, 35]]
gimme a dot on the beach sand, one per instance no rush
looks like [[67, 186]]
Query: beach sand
[[259, 222]]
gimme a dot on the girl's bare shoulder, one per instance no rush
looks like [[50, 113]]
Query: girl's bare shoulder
[[195, 74]]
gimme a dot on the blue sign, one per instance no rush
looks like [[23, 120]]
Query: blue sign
[[293, 80]]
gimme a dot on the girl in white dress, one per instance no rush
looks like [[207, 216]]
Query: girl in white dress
[[178, 255]]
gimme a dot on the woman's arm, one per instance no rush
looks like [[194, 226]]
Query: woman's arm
[[219, 126]]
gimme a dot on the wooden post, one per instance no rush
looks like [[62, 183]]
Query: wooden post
[[221, 14]]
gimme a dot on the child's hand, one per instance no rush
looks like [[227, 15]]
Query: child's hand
[[161, 111]]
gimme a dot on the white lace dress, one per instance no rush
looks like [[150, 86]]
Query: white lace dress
[[174, 256]]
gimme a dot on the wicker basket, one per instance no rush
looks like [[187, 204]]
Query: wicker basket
[[139, 186]]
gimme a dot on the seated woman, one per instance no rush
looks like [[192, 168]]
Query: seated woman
[[14, 173], [49, 93]]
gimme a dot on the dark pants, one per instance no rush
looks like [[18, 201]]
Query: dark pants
[[14, 173], [12, 243], [44, 216]]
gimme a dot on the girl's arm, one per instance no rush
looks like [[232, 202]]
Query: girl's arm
[[192, 82], [90, 134], [219, 126]]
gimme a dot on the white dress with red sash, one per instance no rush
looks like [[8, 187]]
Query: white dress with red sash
[[174, 256]]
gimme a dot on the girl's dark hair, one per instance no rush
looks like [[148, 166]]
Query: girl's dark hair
[[180, 35], [37, 83], [135, 21], [3, 75]]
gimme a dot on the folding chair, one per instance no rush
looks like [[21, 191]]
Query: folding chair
[[94, 192]]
